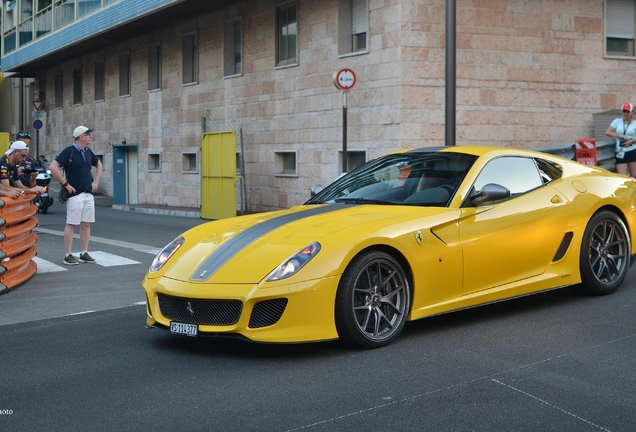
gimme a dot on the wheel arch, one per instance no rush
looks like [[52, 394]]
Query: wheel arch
[[401, 259]]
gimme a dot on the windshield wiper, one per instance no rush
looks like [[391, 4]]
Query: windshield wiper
[[361, 201]]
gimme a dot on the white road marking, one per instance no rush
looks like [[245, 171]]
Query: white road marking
[[103, 259], [45, 266]]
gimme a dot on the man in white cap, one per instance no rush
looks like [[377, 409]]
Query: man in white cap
[[77, 161], [10, 169]]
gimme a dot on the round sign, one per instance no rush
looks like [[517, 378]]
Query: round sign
[[344, 79], [37, 124]]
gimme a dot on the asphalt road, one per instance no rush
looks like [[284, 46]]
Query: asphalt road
[[550, 362]]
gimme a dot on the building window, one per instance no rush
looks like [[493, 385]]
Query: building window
[[154, 162], [59, 89], [77, 86], [64, 12], [285, 164], [86, 6], [619, 28], [355, 158], [233, 48], [9, 26], [154, 66], [124, 74], [189, 163], [352, 26], [190, 57], [43, 18], [41, 95], [287, 34], [99, 81]]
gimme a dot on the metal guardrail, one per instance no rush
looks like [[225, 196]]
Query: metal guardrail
[[605, 153]]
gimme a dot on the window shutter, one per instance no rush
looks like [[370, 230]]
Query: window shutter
[[238, 43], [359, 16], [619, 22]]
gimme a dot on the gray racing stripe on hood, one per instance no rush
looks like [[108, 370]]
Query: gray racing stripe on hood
[[234, 245]]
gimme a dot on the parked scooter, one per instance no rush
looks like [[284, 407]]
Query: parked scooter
[[44, 200]]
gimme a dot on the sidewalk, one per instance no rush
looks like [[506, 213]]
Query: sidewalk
[[106, 201]]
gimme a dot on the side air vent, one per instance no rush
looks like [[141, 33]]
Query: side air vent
[[563, 248], [267, 313]]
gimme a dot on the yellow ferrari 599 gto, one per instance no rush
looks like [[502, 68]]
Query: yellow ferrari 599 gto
[[405, 236]]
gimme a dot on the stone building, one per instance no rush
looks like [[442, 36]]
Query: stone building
[[159, 73]]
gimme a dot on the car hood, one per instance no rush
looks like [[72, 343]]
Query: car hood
[[247, 249]]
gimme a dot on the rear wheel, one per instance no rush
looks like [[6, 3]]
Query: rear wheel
[[605, 254], [373, 300]]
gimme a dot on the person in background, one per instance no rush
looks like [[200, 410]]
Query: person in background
[[10, 169], [77, 161], [26, 179], [624, 131]]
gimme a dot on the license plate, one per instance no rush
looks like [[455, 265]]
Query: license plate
[[183, 329]]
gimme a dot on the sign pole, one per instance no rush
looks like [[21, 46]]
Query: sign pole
[[344, 80], [344, 131]]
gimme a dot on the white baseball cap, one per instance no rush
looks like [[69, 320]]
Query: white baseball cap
[[81, 130], [17, 145]]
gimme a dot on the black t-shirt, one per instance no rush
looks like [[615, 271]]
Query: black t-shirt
[[8, 172]]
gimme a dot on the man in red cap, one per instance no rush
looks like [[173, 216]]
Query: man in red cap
[[624, 131]]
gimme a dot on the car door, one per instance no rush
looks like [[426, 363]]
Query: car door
[[516, 238]]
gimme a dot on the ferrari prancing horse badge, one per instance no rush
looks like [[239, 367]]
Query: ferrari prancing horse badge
[[418, 237]]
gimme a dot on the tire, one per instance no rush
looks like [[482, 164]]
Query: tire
[[371, 314], [605, 254], [43, 209]]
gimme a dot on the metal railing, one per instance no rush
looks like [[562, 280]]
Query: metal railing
[[605, 153]]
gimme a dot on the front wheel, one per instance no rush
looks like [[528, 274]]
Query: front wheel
[[605, 254], [373, 300]]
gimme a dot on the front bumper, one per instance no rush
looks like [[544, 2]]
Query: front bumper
[[284, 313]]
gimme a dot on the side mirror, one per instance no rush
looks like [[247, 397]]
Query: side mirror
[[490, 192], [316, 190]]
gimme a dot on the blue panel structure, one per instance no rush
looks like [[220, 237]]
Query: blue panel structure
[[90, 26]]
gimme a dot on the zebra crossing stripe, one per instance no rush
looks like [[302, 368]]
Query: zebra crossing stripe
[[103, 259]]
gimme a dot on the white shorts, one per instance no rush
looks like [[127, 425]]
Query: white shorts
[[80, 208]]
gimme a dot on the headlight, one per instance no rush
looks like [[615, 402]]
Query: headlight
[[294, 263], [165, 254]]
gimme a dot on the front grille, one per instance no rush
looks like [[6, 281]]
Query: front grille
[[267, 313], [196, 311]]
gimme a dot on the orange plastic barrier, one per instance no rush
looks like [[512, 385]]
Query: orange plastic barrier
[[17, 240], [586, 151]]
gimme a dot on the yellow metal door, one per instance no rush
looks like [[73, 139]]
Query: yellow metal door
[[218, 175], [4, 141]]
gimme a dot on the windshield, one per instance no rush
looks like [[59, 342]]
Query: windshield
[[427, 178]]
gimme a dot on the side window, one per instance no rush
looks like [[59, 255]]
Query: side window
[[517, 174]]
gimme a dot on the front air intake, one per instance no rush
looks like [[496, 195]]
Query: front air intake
[[267, 313]]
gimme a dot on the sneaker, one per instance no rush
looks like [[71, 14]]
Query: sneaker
[[85, 257], [70, 260]]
